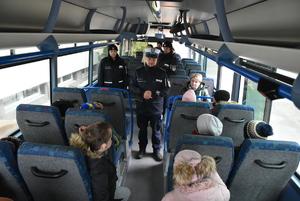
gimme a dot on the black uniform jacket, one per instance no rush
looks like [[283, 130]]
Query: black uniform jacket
[[112, 73], [166, 61], [154, 79]]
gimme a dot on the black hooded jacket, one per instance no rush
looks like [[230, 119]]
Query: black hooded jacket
[[112, 73], [166, 61]]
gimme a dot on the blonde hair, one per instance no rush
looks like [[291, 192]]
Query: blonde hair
[[183, 173], [197, 76]]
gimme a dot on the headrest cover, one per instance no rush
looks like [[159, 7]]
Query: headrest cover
[[112, 47], [152, 52], [209, 124], [189, 95], [221, 95], [257, 130]]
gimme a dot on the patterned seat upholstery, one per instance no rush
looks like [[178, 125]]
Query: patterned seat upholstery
[[70, 94], [55, 172], [234, 117], [218, 147], [262, 169], [41, 124], [177, 84], [12, 183], [183, 113], [209, 85]]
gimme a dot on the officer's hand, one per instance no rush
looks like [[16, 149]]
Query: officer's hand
[[147, 94]]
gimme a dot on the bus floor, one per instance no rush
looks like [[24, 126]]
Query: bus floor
[[144, 176]]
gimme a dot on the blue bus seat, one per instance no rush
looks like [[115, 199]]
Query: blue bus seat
[[183, 113], [76, 117], [234, 117], [55, 172], [262, 169], [70, 94], [41, 124], [114, 104], [203, 73], [209, 85], [190, 67], [180, 72], [177, 84], [219, 147], [12, 183], [135, 64]]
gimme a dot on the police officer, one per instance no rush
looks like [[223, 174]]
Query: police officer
[[151, 84], [112, 71], [167, 60]]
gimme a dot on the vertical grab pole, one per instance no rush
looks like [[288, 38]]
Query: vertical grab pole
[[222, 20], [52, 17], [123, 19]]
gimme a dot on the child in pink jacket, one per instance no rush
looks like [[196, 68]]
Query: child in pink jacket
[[196, 178]]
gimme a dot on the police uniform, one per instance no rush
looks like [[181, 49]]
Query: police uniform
[[113, 73], [155, 80], [168, 61]]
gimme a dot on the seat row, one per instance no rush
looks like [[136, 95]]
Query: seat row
[[44, 172], [259, 172]]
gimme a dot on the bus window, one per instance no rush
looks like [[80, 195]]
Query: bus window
[[212, 70], [27, 83], [254, 98], [72, 70]]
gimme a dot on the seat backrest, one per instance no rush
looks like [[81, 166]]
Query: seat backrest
[[83, 117], [70, 94], [192, 66], [183, 113], [218, 147], [135, 64], [180, 72], [177, 84], [12, 183], [113, 102], [41, 124], [234, 117], [209, 85], [55, 172], [203, 73], [262, 169]]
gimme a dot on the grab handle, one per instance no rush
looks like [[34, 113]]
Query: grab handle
[[273, 166], [35, 124], [218, 159], [188, 117], [39, 173], [234, 120]]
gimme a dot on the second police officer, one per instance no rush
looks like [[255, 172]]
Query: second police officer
[[150, 83]]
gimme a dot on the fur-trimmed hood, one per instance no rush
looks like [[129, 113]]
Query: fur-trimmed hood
[[76, 141], [204, 184]]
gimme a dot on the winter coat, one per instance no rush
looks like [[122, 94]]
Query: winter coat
[[209, 189], [102, 171], [200, 91], [112, 73], [154, 79], [166, 61]]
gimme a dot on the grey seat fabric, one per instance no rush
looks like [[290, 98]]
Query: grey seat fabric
[[41, 124], [262, 169], [83, 117], [12, 183], [177, 84], [190, 67], [70, 94], [234, 117], [209, 85], [218, 147], [55, 172], [183, 113]]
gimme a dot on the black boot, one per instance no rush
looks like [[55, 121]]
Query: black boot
[[140, 154], [157, 155]]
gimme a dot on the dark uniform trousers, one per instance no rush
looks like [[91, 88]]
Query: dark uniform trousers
[[155, 123]]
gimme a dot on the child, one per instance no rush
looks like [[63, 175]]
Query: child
[[63, 106], [94, 141], [208, 124], [221, 97], [92, 105], [196, 178], [189, 95], [197, 86]]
